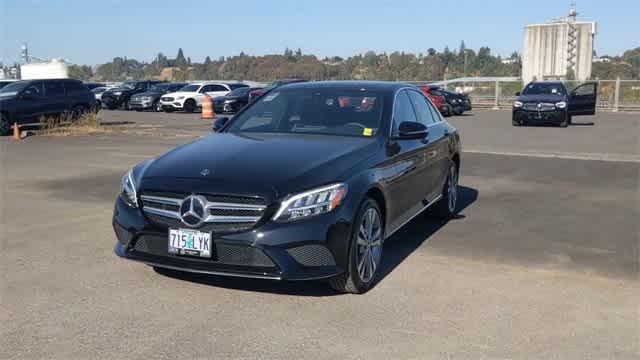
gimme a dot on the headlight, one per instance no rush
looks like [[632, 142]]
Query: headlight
[[180, 98], [128, 190], [561, 105], [229, 101], [517, 104], [117, 93], [311, 203]]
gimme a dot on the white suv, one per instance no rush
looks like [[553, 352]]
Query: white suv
[[189, 98]]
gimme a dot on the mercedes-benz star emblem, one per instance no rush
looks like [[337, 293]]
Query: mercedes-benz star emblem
[[192, 210], [539, 105], [205, 172]]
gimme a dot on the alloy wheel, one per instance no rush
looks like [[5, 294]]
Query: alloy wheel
[[452, 188], [369, 243]]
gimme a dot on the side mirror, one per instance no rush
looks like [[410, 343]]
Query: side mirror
[[219, 123], [518, 93], [412, 130]]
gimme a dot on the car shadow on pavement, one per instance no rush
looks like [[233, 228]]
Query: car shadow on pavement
[[397, 248], [412, 235]]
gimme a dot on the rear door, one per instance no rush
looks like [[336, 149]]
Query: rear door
[[77, 94], [582, 100], [54, 102]]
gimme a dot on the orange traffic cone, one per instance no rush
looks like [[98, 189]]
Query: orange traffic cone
[[16, 132], [207, 108]]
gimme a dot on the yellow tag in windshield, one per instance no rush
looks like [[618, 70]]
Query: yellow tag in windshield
[[367, 132]]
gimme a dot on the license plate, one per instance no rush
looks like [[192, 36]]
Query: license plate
[[189, 242]]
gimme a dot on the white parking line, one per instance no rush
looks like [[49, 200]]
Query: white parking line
[[558, 155]]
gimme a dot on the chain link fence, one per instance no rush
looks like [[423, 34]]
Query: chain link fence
[[613, 95]]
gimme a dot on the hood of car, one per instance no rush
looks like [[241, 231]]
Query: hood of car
[[231, 163], [547, 98]]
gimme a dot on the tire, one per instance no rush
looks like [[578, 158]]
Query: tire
[[447, 207], [365, 251], [189, 106], [5, 125], [156, 106], [564, 123], [77, 112]]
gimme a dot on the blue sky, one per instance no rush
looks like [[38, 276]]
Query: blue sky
[[93, 32]]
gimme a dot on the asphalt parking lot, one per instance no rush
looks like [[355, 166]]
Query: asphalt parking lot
[[542, 262]]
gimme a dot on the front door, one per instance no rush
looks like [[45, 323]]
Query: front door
[[436, 147], [582, 100], [406, 158]]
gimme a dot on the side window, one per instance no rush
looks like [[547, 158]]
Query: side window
[[423, 109], [434, 112], [586, 89], [53, 88], [142, 86], [206, 88], [218, 88], [34, 90], [74, 88], [403, 110]]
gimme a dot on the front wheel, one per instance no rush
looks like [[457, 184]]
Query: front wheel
[[564, 122], [189, 106], [5, 125], [365, 251]]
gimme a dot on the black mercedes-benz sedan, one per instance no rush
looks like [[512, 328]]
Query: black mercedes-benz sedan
[[304, 183], [550, 102], [233, 101]]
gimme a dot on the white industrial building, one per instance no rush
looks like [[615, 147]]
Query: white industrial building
[[553, 50]]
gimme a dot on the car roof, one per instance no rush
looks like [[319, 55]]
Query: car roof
[[391, 86]]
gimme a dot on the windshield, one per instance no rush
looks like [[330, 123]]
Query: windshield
[[313, 111], [239, 91], [190, 88], [543, 89], [98, 90], [13, 88], [127, 85]]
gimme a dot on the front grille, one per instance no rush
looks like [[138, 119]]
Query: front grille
[[167, 98], [543, 107], [224, 254], [223, 213], [312, 255]]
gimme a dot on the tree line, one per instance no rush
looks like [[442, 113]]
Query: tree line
[[399, 66]]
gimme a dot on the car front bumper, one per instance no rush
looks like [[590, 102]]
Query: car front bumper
[[541, 117], [140, 105], [310, 249]]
